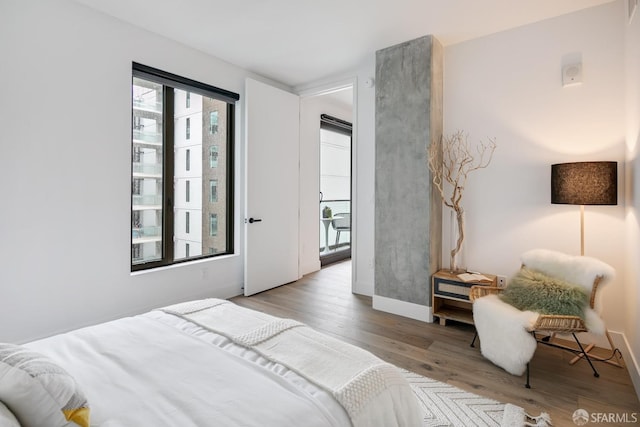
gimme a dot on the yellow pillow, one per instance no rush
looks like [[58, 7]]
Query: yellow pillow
[[39, 392]]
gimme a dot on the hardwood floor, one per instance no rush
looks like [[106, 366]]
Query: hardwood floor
[[324, 301]]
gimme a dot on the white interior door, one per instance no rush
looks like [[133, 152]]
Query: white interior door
[[272, 205]]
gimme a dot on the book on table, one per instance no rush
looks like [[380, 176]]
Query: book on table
[[473, 277]]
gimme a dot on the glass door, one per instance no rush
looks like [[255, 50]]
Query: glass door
[[335, 189]]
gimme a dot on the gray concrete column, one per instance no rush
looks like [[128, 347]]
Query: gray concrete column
[[408, 209]]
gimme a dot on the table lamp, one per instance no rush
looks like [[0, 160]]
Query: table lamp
[[584, 183]]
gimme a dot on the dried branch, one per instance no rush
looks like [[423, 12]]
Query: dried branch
[[451, 162]]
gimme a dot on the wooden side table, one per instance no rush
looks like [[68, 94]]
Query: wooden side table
[[450, 296]]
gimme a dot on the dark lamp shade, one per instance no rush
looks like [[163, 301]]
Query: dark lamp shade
[[584, 183]]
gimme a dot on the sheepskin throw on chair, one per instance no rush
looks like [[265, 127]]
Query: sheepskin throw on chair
[[505, 331]]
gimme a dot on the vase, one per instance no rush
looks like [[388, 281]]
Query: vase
[[456, 246]]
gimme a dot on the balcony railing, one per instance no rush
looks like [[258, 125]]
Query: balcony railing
[[141, 259], [336, 206], [147, 200], [147, 105], [147, 168], [146, 136], [329, 241], [140, 232]]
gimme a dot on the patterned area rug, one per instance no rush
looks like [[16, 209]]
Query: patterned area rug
[[446, 405]]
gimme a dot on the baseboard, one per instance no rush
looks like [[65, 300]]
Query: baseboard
[[620, 341], [363, 288], [309, 268], [403, 308]]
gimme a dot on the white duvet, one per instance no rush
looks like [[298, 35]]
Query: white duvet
[[160, 370]]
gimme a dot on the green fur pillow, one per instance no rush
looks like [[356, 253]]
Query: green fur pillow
[[534, 291]]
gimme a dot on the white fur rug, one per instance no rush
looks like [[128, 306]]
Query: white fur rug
[[446, 405], [502, 330]]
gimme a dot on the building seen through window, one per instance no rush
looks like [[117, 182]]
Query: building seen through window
[[184, 215]]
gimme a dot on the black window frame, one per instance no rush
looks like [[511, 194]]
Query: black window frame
[[172, 81]]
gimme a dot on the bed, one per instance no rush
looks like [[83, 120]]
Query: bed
[[200, 363]]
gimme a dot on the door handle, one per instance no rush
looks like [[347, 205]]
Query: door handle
[[252, 220]]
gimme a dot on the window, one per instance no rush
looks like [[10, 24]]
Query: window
[[160, 159], [136, 187], [135, 221], [213, 190], [137, 123], [335, 185], [136, 252], [137, 154], [213, 156], [213, 224], [213, 122]]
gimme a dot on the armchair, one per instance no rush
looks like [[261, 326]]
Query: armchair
[[341, 223], [492, 314]]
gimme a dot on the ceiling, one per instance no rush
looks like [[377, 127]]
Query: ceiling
[[297, 42]]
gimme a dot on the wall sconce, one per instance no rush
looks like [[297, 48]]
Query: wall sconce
[[584, 183]]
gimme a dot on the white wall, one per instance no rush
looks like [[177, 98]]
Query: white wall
[[65, 104], [508, 86], [632, 196], [364, 201]]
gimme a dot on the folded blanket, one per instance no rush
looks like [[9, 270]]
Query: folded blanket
[[368, 388]]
